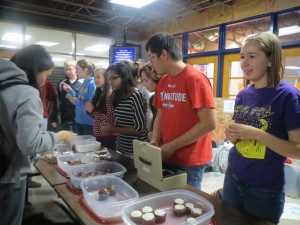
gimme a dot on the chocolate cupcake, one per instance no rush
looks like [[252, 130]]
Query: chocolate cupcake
[[147, 209], [189, 206], [103, 194], [195, 212], [178, 201], [179, 210], [148, 219], [136, 216], [160, 216]]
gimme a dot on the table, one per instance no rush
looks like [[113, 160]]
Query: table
[[225, 214]]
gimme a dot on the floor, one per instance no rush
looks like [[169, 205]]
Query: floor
[[45, 200]]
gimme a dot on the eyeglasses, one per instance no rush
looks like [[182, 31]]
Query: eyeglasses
[[152, 57], [113, 78]]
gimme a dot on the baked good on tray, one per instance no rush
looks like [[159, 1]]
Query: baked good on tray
[[160, 216], [191, 220], [103, 194], [148, 219], [195, 212], [179, 210], [147, 209], [189, 206], [136, 216], [178, 201]]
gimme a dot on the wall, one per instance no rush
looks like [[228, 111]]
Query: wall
[[237, 10]]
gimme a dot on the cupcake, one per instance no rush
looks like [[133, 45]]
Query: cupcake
[[103, 194], [189, 206], [147, 209], [179, 210], [195, 212], [160, 216], [191, 220], [148, 219], [178, 201], [136, 216], [112, 190]]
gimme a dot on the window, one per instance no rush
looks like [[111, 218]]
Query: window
[[237, 33]]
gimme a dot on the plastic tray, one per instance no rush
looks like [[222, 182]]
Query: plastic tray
[[81, 139], [65, 167], [164, 201], [115, 168], [112, 207], [88, 146]]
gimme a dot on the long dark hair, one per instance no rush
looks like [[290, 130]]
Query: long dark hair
[[100, 95], [33, 59], [127, 85]]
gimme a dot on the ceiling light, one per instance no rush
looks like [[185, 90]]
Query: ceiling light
[[46, 43], [97, 48], [8, 46], [133, 3], [292, 67], [55, 59], [14, 37], [289, 30]]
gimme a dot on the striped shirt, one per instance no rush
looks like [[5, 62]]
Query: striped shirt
[[131, 112]]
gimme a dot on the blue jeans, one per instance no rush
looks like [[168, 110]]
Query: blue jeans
[[266, 204], [194, 175], [12, 197]]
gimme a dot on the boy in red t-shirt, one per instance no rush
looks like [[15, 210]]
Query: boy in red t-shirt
[[186, 109]]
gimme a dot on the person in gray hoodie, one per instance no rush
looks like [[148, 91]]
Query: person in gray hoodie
[[21, 117]]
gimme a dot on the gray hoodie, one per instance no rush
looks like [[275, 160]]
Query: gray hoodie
[[21, 115]]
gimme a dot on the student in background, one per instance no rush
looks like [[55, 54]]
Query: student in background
[[130, 109], [101, 109], [66, 108], [83, 122], [150, 79], [21, 118], [265, 132], [48, 97], [185, 109]]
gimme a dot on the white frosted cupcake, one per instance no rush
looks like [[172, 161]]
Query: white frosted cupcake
[[178, 201], [160, 216], [179, 210], [136, 216], [148, 219], [191, 220], [189, 206], [195, 212], [147, 209]]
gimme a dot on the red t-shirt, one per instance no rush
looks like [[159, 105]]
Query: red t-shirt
[[47, 96], [178, 97]]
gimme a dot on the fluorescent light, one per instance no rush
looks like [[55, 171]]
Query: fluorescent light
[[133, 3], [46, 43], [97, 48], [292, 67], [8, 46], [14, 37], [289, 30], [55, 59]]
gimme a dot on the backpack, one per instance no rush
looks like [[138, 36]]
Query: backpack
[[4, 159]]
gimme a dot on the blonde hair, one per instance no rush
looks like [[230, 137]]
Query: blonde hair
[[70, 63], [270, 45], [86, 64]]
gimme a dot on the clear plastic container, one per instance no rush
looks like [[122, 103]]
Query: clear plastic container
[[63, 159], [112, 207], [60, 148], [81, 139], [164, 201], [115, 169], [88, 146]]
